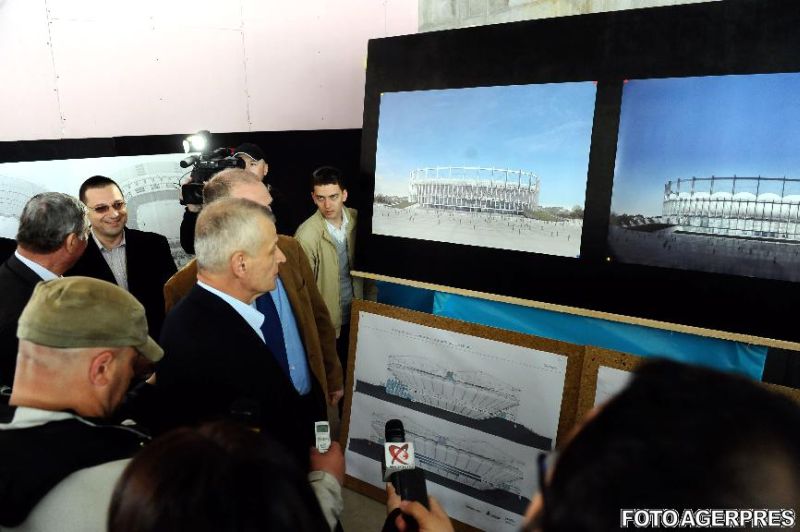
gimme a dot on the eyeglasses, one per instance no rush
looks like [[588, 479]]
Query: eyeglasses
[[118, 205]]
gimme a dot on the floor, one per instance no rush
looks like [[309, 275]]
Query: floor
[[361, 514]]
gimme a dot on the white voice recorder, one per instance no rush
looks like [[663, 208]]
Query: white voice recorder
[[322, 431]]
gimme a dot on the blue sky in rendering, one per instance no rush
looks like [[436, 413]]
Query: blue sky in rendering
[[720, 126], [544, 129]]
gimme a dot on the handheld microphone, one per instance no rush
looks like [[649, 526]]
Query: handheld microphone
[[399, 465]]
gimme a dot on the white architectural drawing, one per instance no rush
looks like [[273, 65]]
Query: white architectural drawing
[[474, 394], [148, 182], [475, 463], [479, 411]]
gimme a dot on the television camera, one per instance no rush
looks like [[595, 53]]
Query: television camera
[[205, 163]]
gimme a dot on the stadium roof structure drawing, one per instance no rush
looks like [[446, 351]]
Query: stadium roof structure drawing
[[473, 463], [14, 194], [148, 182], [475, 189], [473, 394], [748, 207]]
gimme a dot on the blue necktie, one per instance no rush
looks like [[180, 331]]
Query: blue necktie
[[273, 332]]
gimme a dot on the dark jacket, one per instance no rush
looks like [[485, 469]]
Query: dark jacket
[[216, 366], [36, 458], [17, 282], [310, 312], [150, 264], [7, 247]]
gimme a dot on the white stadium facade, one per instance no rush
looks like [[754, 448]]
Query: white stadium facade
[[475, 189], [751, 207]]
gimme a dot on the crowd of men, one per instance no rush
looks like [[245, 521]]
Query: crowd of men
[[254, 330], [243, 331]]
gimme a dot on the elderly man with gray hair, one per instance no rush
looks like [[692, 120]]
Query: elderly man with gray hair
[[218, 364], [300, 324], [52, 236]]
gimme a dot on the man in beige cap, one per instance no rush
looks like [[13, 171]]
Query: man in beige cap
[[81, 341]]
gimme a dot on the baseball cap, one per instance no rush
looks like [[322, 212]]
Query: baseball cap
[[249, 149], [86, 312]]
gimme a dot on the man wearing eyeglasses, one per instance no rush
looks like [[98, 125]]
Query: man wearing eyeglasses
[[138, 261], [52, 235]]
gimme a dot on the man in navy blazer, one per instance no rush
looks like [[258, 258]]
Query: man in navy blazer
[[220, 361], [7, 247], [52, 235], [138, 261]]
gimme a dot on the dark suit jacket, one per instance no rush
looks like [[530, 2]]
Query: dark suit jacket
[[7, 248], [308, 307], [214, 362], [17, 282], [150, 264]]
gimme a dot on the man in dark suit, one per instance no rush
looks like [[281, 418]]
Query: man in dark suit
[[309, 337], [53, 231], [219, 359], [138, 261], [7, 247]]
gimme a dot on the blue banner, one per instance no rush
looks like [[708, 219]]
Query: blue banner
[[745, 359]]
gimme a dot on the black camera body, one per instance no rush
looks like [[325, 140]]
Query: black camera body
[[205, 166]]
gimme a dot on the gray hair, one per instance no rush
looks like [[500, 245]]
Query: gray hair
[[48, 218], [224, 227]]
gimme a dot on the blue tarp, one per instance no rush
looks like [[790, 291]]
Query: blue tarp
[[726, 355], [405, 296]]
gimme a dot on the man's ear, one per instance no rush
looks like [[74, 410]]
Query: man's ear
[[238, 263], [344, 195], [72, 243], [100, 368]]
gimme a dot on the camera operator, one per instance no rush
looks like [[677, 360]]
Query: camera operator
[[252, 159]]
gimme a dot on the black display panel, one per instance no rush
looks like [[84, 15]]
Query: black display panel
[[715, 39]]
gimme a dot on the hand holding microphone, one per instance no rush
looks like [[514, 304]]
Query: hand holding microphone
[[399, 465]]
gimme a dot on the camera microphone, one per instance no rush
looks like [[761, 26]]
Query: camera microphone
[[399, 465], [189, 161]]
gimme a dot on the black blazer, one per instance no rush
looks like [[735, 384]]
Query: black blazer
[[17, 282], [214, 364], [7, 248], [150, 265]]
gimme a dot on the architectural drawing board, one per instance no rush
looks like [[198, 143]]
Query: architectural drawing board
[[479, 403], [604, 373]]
